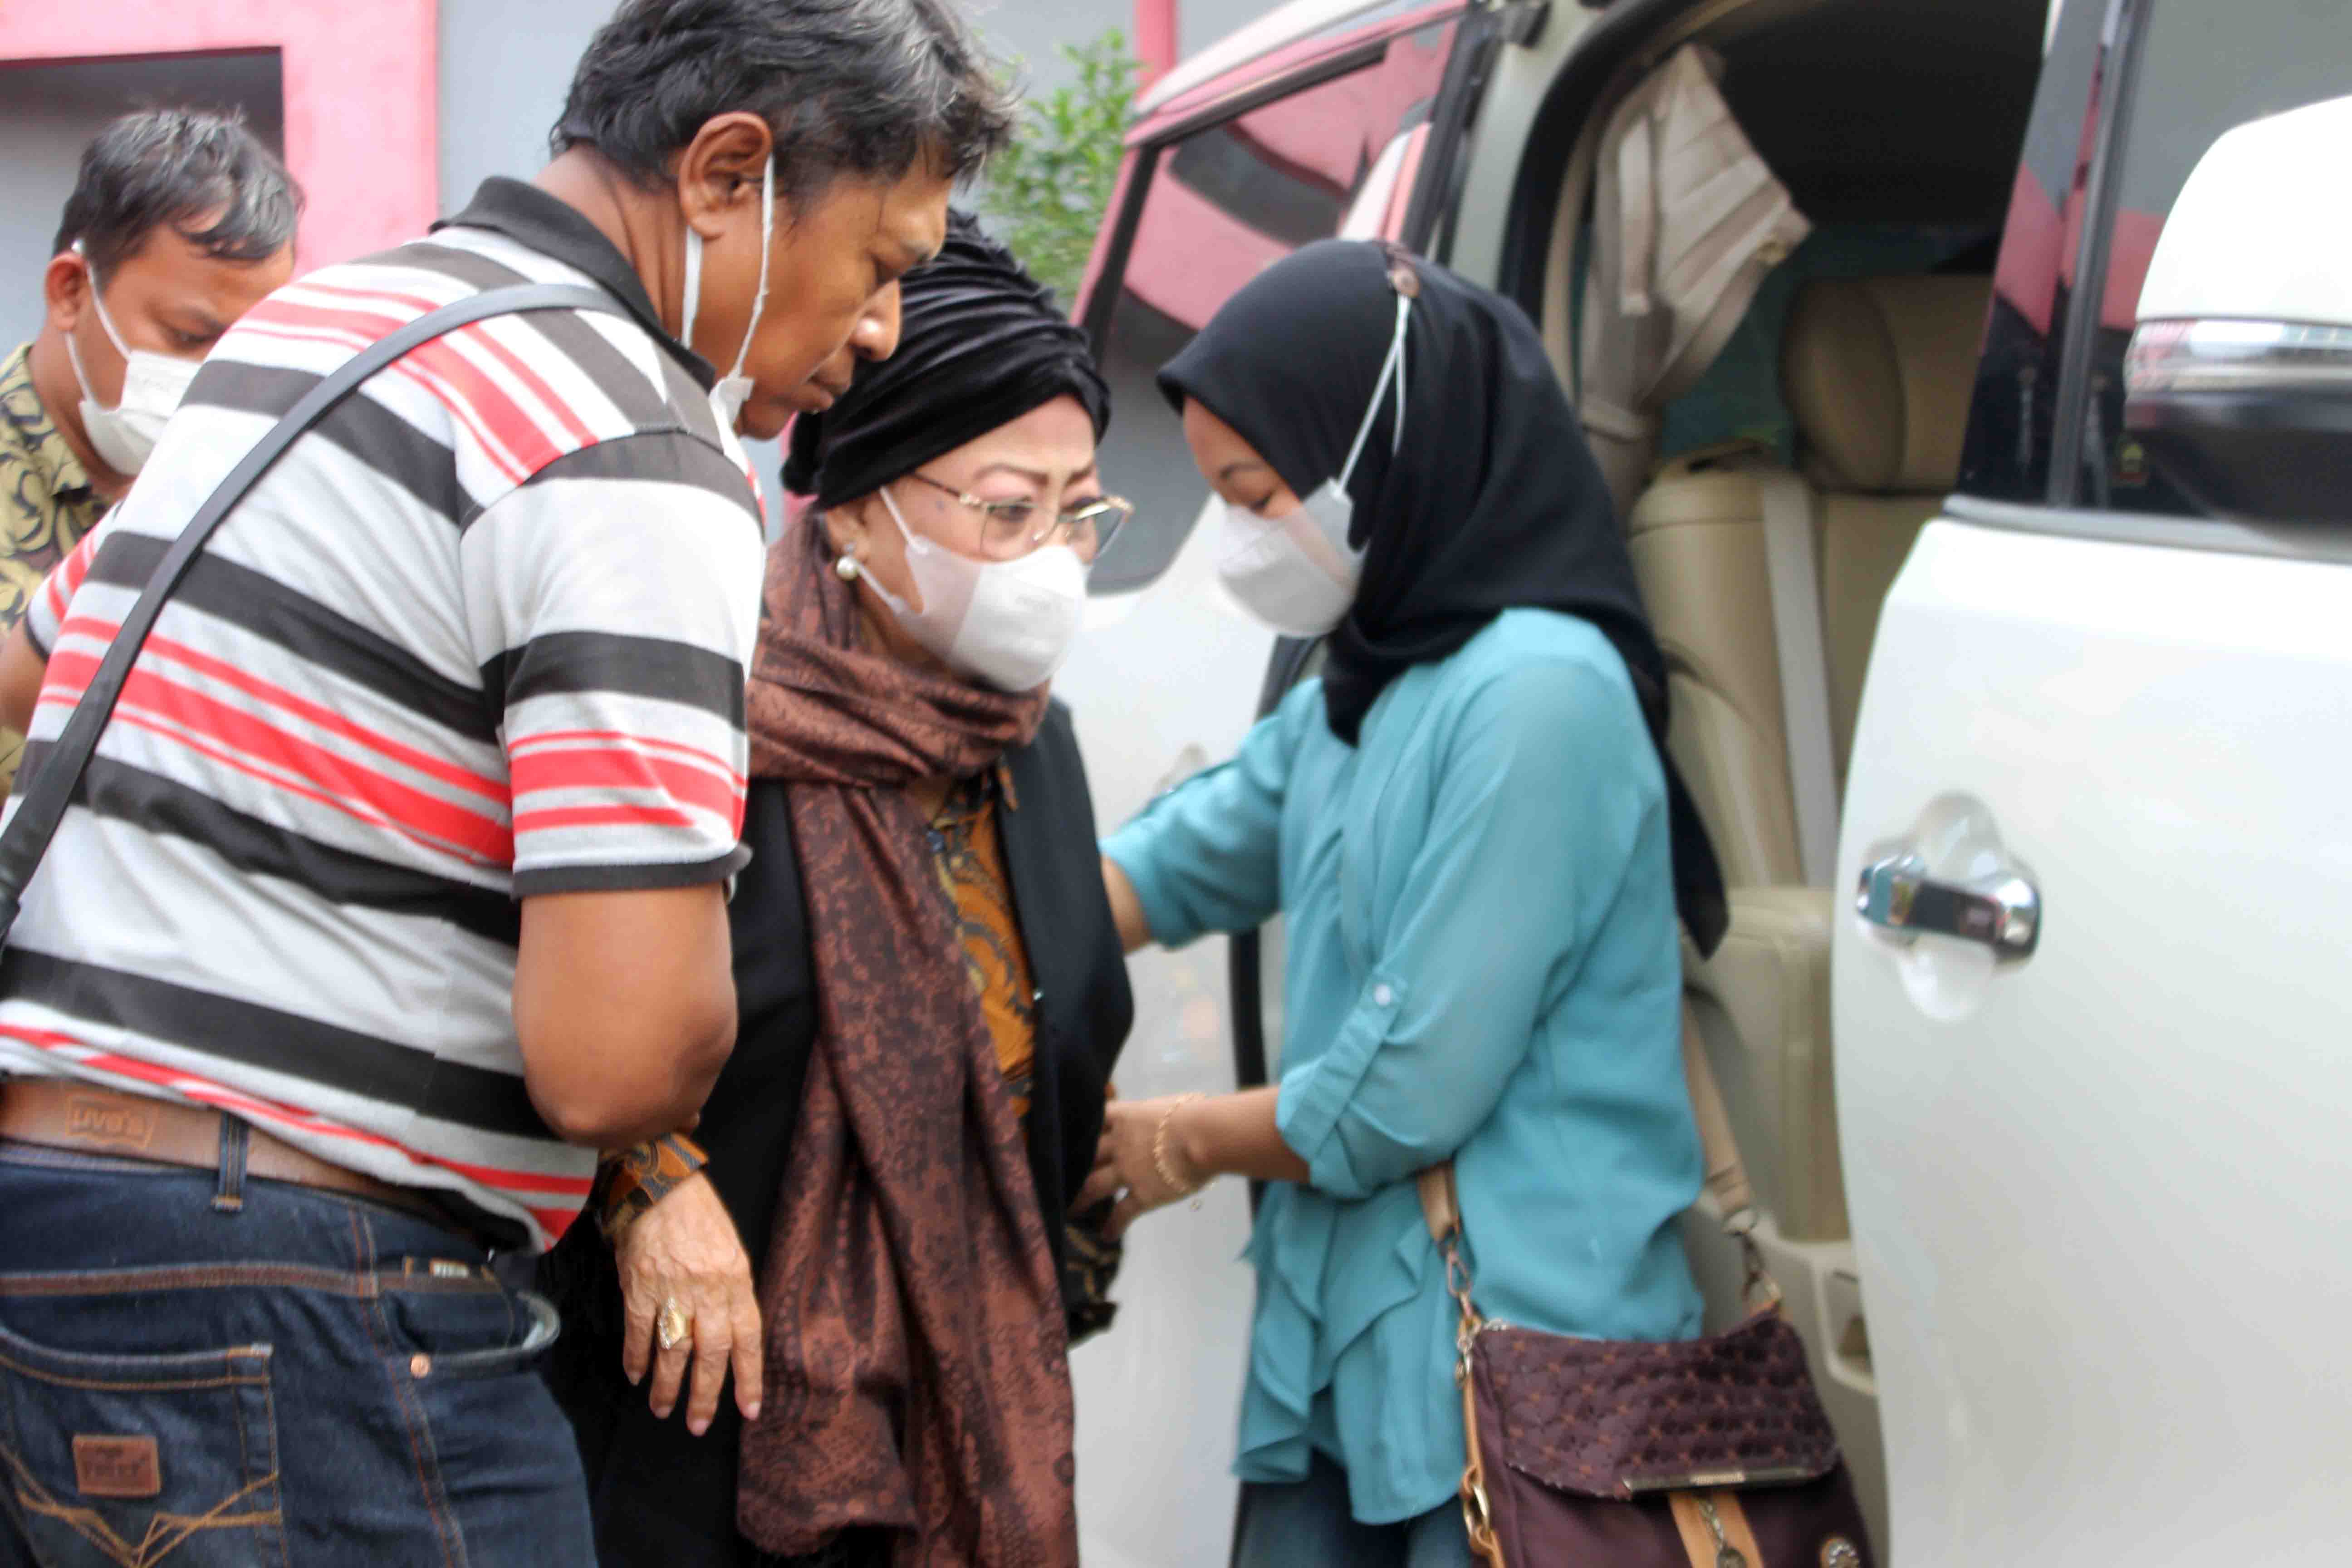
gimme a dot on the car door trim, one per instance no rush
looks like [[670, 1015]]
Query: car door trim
[[2119, 85], [2327, 543], [1437, 184]]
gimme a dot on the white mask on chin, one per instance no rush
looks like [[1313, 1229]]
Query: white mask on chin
[[1005, 624], [153, 384], [1297, 572], [734, 389]]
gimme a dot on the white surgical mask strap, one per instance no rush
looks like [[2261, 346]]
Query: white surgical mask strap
[[914, 548], [1396, 436], [1392, 365], [81, 377], [899, 517], [767, 233], [98, 305], [693, 286]]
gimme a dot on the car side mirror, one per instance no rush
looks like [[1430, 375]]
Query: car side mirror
[[2239, 380]]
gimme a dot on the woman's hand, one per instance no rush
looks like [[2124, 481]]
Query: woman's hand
[[1229, 1136], [1126, 1163], [685, 1248]]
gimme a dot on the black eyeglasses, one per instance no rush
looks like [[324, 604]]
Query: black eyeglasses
[[1012, 529]]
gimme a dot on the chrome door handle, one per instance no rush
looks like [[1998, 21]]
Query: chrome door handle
[[2003, 912]]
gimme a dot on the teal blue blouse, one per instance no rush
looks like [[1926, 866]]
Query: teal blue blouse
[[1482, 962]]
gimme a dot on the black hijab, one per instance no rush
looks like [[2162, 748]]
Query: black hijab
[[1492, 503], [981, 344]]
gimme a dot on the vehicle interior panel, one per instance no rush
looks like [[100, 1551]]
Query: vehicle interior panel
[[1888, 110], [1877, 373], [1853, 366], [1738, 398], [1895, 126], [1698, 544]]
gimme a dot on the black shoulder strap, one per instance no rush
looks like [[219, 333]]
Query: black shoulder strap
[[53, 783]]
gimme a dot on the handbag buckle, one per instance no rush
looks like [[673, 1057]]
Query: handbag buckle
[[1720, 1480], [1469, 1325]]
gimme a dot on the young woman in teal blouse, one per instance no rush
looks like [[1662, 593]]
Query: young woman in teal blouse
[[1480, 850]]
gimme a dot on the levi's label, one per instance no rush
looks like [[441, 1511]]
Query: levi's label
[[117, 1466]]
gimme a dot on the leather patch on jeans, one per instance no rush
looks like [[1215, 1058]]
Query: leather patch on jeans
[[117, 1466], [108, 1122]]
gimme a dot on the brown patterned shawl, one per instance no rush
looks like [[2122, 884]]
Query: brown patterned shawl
[[917, 1370]]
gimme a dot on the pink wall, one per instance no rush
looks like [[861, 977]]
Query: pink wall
[[361, 104]]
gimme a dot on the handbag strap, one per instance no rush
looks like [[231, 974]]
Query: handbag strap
[[53, 784], [1725, 1178]]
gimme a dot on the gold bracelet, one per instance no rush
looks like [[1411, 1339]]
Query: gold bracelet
[[1160, 1161]]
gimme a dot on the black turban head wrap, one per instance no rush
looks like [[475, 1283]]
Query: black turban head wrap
[[981, 344], [1493, 501]]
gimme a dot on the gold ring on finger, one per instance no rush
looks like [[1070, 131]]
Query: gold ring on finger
[[671, 1327]]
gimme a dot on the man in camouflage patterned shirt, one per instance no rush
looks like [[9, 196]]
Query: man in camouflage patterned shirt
[[47, 503], [178, 223]]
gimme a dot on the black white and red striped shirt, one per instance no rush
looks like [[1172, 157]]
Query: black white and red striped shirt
[[482, 634]]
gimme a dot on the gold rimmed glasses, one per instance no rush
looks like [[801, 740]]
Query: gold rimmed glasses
[[1012, 528]]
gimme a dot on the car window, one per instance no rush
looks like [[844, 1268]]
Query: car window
[[2007, 455], [2204, 69], [1222, 202]]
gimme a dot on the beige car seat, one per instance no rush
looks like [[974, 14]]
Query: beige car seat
[[1877, 372]]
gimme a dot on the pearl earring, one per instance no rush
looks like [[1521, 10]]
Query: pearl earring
[[846, 567]]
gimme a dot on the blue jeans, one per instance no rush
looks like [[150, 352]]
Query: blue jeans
[[1308, 1524], [199, 1370]]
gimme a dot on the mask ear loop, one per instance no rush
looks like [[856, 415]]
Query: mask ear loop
[[916, 546], [693, 287], [1392, 365], [767, 239], [1396, 436], [98, 306], [1407, 284], [694, 271]]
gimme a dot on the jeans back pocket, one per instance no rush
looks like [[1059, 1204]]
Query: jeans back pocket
[[137, 1460]]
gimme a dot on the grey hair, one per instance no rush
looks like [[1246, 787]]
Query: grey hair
[[185, 168], [866, 88]]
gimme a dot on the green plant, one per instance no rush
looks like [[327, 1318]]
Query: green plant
[[1048, 189]]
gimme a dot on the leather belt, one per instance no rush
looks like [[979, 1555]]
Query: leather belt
[[58, 1113]]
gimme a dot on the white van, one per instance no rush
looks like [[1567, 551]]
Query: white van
[[2027, 764]]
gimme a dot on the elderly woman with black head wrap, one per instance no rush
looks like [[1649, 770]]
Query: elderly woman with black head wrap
[[931, 991], [1480, 850]]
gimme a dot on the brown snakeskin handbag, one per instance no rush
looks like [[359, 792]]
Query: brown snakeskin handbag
[[1708, 1453]]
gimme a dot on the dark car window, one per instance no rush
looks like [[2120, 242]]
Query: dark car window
[[2007, 457], [1222, 204], [2203, 69]]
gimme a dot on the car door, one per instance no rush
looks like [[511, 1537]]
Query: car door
[[2090, 1001], [1333, 132]]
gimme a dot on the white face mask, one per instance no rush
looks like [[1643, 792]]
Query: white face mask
[[1297, 572], [734, 389], [124, 436], [1007, 623]]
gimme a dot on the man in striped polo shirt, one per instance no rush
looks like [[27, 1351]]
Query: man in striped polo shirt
[[395, 887]]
